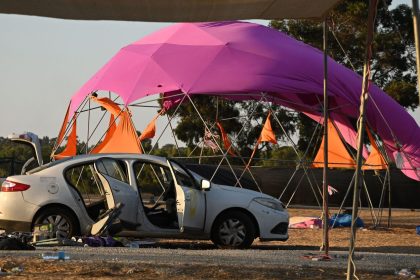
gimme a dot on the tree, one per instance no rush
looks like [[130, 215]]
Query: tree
[[393, 61], [190, 127]]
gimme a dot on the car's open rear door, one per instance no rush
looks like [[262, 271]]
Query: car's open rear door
[[190, 200], [117, 188]]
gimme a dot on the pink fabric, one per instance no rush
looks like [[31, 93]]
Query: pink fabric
[[226, 58], [305, 222]]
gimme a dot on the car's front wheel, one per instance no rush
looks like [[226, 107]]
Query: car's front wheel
[[234, 230], [63, 221]]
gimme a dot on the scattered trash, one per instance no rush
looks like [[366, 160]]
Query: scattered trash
[[3, 272], [42, 232], [58, 242], [344, 220], [305, 222], [60, 255], [10, 243], [331, 190], [17, 270], [406, 273], [24, 237], [139, 243], [98, 241], [317, 257]]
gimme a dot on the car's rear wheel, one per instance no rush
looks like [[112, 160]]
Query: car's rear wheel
[[234, 230], [63, 221]]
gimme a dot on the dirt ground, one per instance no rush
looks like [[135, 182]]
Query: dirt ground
[[35, 268], [400, 238]]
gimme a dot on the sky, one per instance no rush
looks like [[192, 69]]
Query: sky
[[44, 61]]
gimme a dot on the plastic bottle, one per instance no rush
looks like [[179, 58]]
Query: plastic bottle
[[60, 255]]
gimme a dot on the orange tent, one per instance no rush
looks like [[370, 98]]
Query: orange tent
[[111, 129], [108, 104], [63, 128], [115, 111], [225, 139], [338, 156], [375, 161], [150, 130], [267, 134], [124, 139], [71, 146]]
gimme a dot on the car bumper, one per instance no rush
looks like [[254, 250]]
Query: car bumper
[[15, 213], [273, 224]]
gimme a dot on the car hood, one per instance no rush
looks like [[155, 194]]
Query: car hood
[[238, 191]]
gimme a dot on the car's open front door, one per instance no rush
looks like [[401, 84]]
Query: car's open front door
[[117, 188], [190, 200]]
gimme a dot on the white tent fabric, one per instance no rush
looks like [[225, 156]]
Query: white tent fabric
[[170, 10]]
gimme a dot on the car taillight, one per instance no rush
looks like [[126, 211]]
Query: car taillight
[[10, 186]]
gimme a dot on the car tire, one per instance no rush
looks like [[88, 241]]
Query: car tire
[[65, 223], [233, 230]]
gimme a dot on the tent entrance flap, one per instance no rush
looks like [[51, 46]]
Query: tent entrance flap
[[375, 161], [124, 139], [338, 156]]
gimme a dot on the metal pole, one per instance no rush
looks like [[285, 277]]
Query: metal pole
[[360, 135], [325, 241], [416, 37]]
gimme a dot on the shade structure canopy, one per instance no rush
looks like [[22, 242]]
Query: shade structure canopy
[[241, 61], [170, 10]]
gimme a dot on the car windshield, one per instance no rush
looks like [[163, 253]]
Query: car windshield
[[197, 177]]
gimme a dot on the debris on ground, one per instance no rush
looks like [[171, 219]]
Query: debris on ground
[[405, 273], [344, 220], [99, 241], [58, 242], [3, 272], [139, 243], [11, 243], [60, 255], [42, 232], [317, 257], [16, 270], [305, 222]]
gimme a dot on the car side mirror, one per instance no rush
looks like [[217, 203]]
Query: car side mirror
[[205, 185]]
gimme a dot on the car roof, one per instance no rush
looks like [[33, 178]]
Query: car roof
[[92, 157]]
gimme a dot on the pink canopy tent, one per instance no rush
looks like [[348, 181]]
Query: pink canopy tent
[[240, 61]]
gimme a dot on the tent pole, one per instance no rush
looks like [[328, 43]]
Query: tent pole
[[389, 197], [88, 131], [416, 37], [325, 241], [360, 134]]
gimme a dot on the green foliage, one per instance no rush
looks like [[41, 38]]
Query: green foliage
[[232, 116], [393, 61], [281, 157], [190, 128]]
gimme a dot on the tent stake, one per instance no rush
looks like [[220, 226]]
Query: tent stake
[[361, 128]]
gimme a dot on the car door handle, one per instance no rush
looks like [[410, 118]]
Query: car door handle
[[117, 190]]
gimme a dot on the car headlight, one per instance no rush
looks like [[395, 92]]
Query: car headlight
[[270, 203]]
